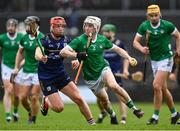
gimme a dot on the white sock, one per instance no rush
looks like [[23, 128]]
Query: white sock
[[173, 114], [156, 117]]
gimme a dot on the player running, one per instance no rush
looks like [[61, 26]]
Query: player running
[[96, 70], [52, 74], [9, 43], [161, 54], [28, 77]]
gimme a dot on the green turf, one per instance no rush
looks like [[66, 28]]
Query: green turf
[[71, 119]]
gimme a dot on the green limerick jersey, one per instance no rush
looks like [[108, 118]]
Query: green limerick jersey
[[159, 39], [9, 46], [94, 64], [29, 45]]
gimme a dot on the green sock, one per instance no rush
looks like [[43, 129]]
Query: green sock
[[156, 112], [131, 105], [111, 112], [15, 109], [8, 114], [172, 110]]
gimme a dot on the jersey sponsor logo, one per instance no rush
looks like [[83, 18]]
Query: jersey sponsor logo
[[49, 88], [162, 31]]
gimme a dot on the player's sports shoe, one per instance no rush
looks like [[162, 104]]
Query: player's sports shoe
[[152, 121], [138, 113], [8, 119], [101, 118], [15, 117], [114, 120], [123, 120], [174, 120], [44, 106]]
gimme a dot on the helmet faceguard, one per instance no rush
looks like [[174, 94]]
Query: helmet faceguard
[[32, 24], [95, 21]]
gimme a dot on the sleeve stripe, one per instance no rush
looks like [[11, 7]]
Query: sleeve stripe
[[139, 34], [175, 29]]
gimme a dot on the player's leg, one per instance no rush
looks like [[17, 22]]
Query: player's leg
[[123, 111], [8, 90], [110, 81], [24, 98], [106, 104], [158, 84], [72, 92], [16, 101], [7, 101], [103, 113], [51, 98], [34, 97], [169, 100]]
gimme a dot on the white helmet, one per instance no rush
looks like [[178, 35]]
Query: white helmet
[[96, 21]]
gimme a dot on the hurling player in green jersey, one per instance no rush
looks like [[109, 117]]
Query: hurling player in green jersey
[[159, 48], [118, 65], [28, 73], [9, 43], [95, 68]]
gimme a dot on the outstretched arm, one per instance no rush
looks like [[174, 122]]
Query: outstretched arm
[[124, 54], [68, 52]]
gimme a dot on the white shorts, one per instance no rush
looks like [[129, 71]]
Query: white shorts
[[96, 85], [163, 65], [26, 79], [6, 72]]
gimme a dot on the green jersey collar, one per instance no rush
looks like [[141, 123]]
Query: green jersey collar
[[155, 27], [93, 41], [12, 38]]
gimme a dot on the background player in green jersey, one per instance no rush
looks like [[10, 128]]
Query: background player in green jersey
[[9, 43], [96, 70], [159, 49], [29, 78]]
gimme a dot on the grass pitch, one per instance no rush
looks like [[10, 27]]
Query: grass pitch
[[71, 119]]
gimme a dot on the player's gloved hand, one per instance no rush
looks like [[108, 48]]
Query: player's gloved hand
[[82, 55], [133, 61]]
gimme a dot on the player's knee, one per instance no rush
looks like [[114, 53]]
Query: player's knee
[[78, 100], [58, 108], [157, 86], [34, 98], [114, 86], [23, 97], [105, 101]]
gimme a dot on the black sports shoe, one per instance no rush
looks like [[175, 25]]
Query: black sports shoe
[[152, 121], [8, 119], [44, 107], [114, 120], [15, 117], [139, 113], [174, 120], [101, 118], [123, 120]]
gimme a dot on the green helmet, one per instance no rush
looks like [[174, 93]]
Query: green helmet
[[108, 27]]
